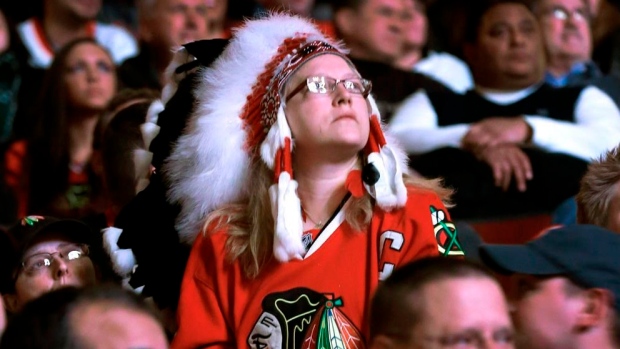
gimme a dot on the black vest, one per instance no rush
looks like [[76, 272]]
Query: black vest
[[554, 103]]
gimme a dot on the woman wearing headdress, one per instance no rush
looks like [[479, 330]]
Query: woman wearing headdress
[[301, 204]]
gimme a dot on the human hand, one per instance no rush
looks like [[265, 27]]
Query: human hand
[[507, 161], [494, 131]]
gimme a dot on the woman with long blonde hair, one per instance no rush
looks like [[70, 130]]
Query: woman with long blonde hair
[[301, 204]]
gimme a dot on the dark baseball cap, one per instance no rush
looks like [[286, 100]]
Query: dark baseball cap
[[588, 255], [17, 239]]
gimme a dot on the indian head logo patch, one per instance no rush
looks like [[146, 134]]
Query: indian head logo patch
[[303, 318], [445, 234]]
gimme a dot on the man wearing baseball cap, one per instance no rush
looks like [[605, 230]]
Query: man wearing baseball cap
[[567, 287], [40, 254]]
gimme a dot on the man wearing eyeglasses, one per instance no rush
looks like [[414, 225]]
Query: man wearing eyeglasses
[[40, 254], [566, 34], [565, 28]]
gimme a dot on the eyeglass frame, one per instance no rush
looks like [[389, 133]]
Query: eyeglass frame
[[85, 248], [577, 14], [366, 83]]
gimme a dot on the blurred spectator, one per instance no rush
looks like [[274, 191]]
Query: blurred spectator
[[565, 28], [567, 287], [94, 317], [500, 145], [124, 153], [303, 8], [122, 13], [299, 7], [51, 173], [417, 55], [41, 254], [218, 26], [10, 82], [164, 25], [373, 31], [606, 37], [598, 200], [447, 21], [2, 317], [440, 303], [64, 21]]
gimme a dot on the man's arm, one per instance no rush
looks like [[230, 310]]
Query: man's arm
[[415, 126], [596, 127]]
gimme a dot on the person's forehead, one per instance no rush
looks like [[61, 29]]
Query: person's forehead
[[507, 13], [325, 64], [375, 4], [456, 301], [570, 4], [49, 239], [164, 4], [94, 321], [85, 50], [542, 282]]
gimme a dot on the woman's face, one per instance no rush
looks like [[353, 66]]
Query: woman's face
[[90, 77], [326, 123]]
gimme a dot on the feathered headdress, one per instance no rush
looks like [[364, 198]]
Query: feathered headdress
[[239, 115]]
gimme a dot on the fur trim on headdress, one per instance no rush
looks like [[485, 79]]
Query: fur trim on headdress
[[239, 115]]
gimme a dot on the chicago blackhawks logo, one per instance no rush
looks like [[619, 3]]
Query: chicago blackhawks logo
[[445, 233], [303, 318]]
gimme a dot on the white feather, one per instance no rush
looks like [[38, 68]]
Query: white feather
[[149, 131], [286, 208]]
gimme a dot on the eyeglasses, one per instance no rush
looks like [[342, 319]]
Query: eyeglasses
[[324, 85], [39, 262], [562, 13], [474, 339]]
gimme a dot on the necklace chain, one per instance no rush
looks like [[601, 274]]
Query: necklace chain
[[316, 225]]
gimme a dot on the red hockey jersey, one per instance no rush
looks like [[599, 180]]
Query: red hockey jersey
[[318, 302]]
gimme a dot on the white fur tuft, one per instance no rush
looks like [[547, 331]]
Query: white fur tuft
[[123, 260]]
